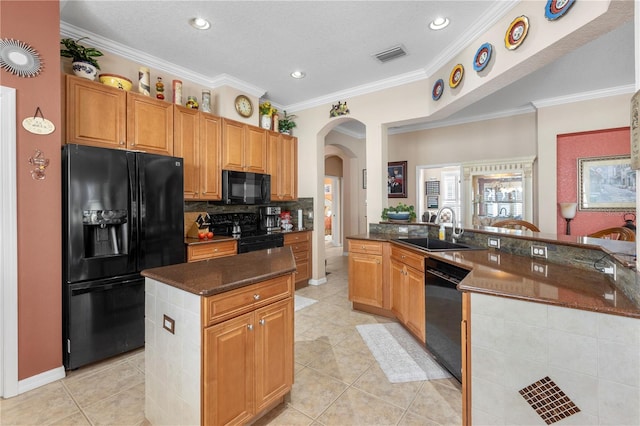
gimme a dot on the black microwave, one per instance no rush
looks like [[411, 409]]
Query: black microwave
[[245, 188]]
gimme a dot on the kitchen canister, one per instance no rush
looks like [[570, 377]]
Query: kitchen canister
[[177, 92], [206, 101], [144, 86]]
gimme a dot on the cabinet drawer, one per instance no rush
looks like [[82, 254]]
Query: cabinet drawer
[[236, 302], [303, 271], [211, 250], [296, 237], [408, 257], [301, 256], [299, 247], [365, 246]]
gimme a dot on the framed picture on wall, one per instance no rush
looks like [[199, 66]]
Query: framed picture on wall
[[397, 179], [606, 184]]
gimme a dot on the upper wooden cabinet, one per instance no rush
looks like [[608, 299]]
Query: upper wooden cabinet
[[197, 139], [282, 165], [107, 117], [244, 147]]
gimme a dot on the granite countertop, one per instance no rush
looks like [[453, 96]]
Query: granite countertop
[[219, 238], [536, 280], [213, 276]]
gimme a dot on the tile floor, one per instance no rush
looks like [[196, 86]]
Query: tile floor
[[337, 380]]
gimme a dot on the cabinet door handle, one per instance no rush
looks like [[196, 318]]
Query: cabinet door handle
[[403, 256], [122, 143], [249, 326], [262, 321], [256, 297]]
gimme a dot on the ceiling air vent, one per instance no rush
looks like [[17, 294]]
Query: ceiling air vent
[[390, 54]]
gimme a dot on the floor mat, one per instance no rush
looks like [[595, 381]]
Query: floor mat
[[301, 302], [399, 355]]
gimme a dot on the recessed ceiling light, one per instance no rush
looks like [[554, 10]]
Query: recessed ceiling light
[[200, 23], [439, 23], [298, 74]]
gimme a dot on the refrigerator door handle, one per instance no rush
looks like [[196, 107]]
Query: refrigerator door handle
[[133, 205]]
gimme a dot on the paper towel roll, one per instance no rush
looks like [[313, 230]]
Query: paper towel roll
[[300, 219]]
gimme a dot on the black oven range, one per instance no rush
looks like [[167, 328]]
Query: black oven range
[[244, 227]]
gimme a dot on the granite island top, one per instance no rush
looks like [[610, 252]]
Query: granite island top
[[213, 276], [535, 280]]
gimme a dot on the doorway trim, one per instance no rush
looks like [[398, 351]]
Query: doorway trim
[[8, 246]]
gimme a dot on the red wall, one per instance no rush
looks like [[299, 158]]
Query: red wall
[[37, 23], [581, 145]]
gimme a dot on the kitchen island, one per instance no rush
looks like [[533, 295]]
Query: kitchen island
[[534, 327], [219, 338]]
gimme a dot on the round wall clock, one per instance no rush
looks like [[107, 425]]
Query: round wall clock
[[517, 32], [19, 58], [244, 107]]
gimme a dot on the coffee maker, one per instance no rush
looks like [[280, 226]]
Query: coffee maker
[[270, 218]]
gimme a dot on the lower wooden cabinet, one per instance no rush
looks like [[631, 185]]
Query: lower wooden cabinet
[[212, 250], [247, 362], [300, 243], [365, 272], [407, 290]]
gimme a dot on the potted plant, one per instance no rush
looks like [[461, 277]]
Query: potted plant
[[83, 58], [401, 212], [286, 123]]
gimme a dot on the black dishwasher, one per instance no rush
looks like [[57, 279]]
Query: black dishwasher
[[443, 306]]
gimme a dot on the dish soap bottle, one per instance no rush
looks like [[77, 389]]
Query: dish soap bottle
[[441, 232]]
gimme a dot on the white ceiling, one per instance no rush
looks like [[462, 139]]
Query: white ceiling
[[255, 45]]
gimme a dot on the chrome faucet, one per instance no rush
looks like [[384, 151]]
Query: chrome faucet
[[456, 231]]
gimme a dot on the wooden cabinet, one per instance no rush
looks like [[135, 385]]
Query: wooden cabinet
[[244, 147], [407, 289], [282, 165], [212, 250], [365, 272], [300, 243], [247, 359], [197, 139], [103, 116]]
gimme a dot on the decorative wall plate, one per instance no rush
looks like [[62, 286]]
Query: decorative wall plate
[[517, 32], [456, 76], [483, 56], [437, 90], [556, 8], [38, 125], [19, 58]]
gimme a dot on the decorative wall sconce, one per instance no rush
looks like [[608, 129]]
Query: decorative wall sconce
[[568, 212], [40, 162]]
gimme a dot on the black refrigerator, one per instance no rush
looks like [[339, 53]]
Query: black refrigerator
[[123, 212]]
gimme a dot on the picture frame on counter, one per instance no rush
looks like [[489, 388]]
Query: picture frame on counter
[[606, 184], [397, 179]]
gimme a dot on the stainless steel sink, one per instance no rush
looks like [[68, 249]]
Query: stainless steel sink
[[431, 244]]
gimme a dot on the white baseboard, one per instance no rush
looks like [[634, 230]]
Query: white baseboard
[[318, 282], [41, 379]]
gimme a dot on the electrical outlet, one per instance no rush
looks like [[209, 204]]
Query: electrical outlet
[[403, 229], [609, 269], [539, 251], [538, 268], [494, 257], [494, 242]]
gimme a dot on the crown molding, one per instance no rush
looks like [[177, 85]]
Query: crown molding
[[71, 31], [585, 96]]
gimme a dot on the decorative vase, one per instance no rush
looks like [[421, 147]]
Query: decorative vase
[[206, 101], [144, 85], [275, 120], [286, 132], [84, 69], [265, 122]]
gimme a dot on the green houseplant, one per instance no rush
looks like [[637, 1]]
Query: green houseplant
[[399, 209], [83, 58], [286, 123]]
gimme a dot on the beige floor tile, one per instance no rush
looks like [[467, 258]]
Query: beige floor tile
[[305, 351], [89, 389], [376, 383], [77, 419], [343, 364], [124, 408], [284, 415], [45, 404], [327, 332], [355, 407], [410, 419], [313, 392], [438, 402], [137, 360]]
